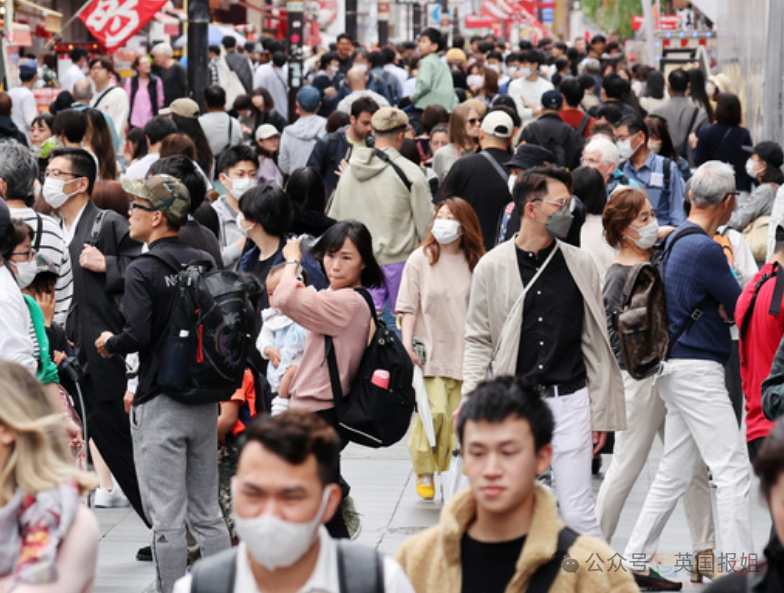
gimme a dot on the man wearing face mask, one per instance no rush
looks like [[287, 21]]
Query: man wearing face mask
[[238, 167], [283, 492], [101, 249], [527, 296], [327, 81], [657, 175], [527, 90]]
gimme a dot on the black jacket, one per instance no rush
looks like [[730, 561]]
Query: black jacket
[[477, 181], [326, 156], [8, 129], [198, 236], [150, 291], [97, 296], [552, 133]]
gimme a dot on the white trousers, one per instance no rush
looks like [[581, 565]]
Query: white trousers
[[572, 453], [700, 421], [645, 417]]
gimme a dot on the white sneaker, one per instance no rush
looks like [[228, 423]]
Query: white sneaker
[[109, 499]]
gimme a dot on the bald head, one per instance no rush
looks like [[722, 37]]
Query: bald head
[[357, 79], [82, 90]]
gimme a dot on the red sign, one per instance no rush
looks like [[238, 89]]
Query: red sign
[[479, 22], [667, 22], [113, 22]]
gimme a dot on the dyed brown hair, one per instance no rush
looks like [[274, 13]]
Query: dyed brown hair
[[471, 241], [624, 206]]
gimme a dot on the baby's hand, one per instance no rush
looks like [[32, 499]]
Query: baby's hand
[[273, 354]]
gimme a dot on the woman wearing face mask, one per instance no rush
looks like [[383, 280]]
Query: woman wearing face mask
[[265, 216], [660, 142], [489, 90], [764, 166], [630, 227], [346, 255], [432, 303]]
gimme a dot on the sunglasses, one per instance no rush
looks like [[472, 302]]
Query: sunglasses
[[474, 121]]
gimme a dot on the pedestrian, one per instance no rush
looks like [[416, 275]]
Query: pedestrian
[[684, 118], [327, 81], [573, 94], [264, 218], [299, 138], [238, 62], [49, 538], [589, 187], [306, 190], [503, 533], [76, 70], [83, 94], [22, 97], [659, 176], [185, 115], [434, 79], [274, 77], [432, 304], [8, 130], [267, 111], [108, 96], [526, 297], [482, 179], [764, 166], [331, 150], [171, 72], [725, 139], [98, 141], [155, 132], [700, 420], [390, 196], [631, 229], [283, 542], [267, 145], [464, 126], [145, 93], [345, 252], [551, 132], [357, 84], [527, 90], [614, 91], [221, 129]]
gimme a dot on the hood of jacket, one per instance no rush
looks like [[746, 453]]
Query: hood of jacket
[[7, 126], [365, 165], [307, 128]]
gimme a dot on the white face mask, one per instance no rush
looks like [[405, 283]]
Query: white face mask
[[511, 182], [53, 192], [525, 72], [243, 231], [446, 231], [751, 168], [648, 235], [475, 81], [25, 272], [361, 67], [240, 186], [511, 71], [710, 89], [655, 146], [625, 150], [275, 543], [494, 67]]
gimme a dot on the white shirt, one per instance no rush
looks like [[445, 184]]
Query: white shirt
[[409, 86], [401, 73], [69, 231], [524, 91], [346, 102], [15, 343], [115, 103], [139, 169], [323, 579], [216, 127], [24, 108], [69, 78]]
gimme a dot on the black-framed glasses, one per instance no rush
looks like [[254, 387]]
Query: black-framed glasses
[[136, 205], [56, 173]]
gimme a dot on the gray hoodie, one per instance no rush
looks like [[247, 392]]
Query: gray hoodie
[[298, 141]]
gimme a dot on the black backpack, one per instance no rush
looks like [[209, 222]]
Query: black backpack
[[360, 570], [552, 143], [209, 334], [371, 415]]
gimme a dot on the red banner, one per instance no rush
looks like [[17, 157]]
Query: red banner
[[113, 22]]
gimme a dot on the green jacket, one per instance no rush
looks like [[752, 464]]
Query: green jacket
[[434, 84], [47, 371]]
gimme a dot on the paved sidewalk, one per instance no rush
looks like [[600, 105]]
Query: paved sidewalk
[[383, 489]]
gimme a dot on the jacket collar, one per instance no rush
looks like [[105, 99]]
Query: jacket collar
[[540, 544]]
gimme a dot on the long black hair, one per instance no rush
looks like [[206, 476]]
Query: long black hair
[[192, 128], [335, 237]]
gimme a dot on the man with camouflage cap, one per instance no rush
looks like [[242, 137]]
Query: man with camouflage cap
[[175, 445], [390, 195]]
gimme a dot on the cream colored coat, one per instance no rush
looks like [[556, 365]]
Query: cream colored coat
[[433, 564], [492, 346]]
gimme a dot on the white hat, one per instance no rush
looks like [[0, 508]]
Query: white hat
[[266, 131], [498, 124]]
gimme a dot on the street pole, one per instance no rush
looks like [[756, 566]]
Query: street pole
[[383, 23], [351, 19], [198, 58], [417, 16], [296, 12]]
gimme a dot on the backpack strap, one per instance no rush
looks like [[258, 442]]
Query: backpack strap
[[360, 569], [166, 257], [683, 149], [39, 230], [96, 229], [498, 168], [545, 575], [778, 292], [667, 175], [583, 124], [774, 307], [385, 157], [216, 573]]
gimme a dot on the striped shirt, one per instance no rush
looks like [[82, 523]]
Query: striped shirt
[[52, 246]]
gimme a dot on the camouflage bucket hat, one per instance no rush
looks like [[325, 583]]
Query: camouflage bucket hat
[[164, 193]]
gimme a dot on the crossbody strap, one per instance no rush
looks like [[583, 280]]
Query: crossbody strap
[[498, 168], [38, 232], [545, 575], [684, 148], [360, 569], [385, 157]]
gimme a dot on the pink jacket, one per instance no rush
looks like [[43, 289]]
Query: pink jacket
[[342, 314]]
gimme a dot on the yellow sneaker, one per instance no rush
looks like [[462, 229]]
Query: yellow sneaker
[[425, 487]]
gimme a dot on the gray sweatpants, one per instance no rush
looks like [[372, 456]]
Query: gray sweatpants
[[175, 451]]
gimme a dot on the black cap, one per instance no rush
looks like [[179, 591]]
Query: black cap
[[770, 152], [552, 100], [531, 155]]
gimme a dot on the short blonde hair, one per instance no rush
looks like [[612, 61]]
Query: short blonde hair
[[39, 460]]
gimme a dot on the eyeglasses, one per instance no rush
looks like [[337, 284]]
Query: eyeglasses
[[474, 121], [28, 254], [136, 205], [560, 202], [56, 174]]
